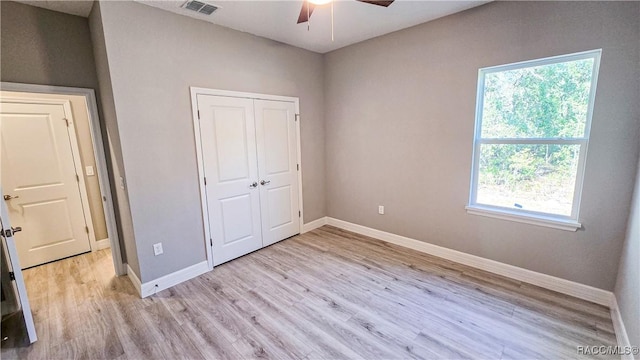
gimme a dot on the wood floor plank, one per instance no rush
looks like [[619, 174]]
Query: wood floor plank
[[175, 343], [209, 341], [230, 323], [346, 333], [326, 294], [137, 336]]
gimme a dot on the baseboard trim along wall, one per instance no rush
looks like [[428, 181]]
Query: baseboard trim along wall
[[175, 278], [619, 329], [103, 244], [134, 279], [167, 281], [314, 224], [581, 291], [563, 286]]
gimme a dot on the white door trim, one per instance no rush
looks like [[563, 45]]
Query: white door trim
[[13, 263], [99, 155], [195, 91]]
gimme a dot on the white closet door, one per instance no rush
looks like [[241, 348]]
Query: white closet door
[[229, 152], [277, 166]]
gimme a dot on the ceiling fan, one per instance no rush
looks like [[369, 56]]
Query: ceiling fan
[[309, 5]]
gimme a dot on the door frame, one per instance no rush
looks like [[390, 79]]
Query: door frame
[[13, 263], [195, 91], [99, 154]]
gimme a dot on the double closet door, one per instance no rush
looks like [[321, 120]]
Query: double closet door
[[249, 151]]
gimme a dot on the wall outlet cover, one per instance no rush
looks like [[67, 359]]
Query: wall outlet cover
[[157, 249]]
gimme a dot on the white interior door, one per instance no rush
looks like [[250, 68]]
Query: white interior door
[[41, 185], [227, 129], [278, 169], [9, 246]]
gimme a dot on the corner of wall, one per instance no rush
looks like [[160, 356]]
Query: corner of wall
[[109, 118], [626, 317]]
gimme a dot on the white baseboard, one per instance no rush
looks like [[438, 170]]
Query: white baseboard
[[314, 224], [103, 244], [175, 278], [620, 329], [563, 286], [167, 281], [134, 279]]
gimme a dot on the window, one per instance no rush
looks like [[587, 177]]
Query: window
[[532, 130]]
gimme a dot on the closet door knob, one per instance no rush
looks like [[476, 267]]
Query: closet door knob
[[254, 185], [265, 182]]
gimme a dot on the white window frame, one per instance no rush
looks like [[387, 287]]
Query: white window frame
[[569, 223]]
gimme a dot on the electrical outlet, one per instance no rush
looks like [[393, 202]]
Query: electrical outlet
[[89, 170], [121, 182], [381, 210], [157, 249]]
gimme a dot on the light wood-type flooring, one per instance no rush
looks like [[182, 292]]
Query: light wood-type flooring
[[326, 294]]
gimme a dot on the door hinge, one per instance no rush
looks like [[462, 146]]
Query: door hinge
[[77, 178], [211, 242], [297, 117], [66, 121], [198, 114], [299, 213], [12, 275], [298, 167], [86, 228], [205, 181]]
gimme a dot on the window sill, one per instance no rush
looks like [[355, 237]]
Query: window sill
[[561, 224]]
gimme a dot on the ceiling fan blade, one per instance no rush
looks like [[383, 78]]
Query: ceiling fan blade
[[305, 12], [379, 3]]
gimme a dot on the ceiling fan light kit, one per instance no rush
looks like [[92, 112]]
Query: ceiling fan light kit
[[320, 2], [309, 5]]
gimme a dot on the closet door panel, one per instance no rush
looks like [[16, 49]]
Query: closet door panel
[[228, 136], [277, 168]]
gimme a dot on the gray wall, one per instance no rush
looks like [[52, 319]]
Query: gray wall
[[400, 120], [123, 212], [153, 57], [627, 288], [45, 47]]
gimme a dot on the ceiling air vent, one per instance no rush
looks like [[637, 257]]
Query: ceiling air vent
[[199, 6]]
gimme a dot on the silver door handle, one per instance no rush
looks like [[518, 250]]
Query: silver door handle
[[265, 182], [9, 197], [254, 185]]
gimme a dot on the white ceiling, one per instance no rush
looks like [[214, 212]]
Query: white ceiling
[[73, 7], [353, 21]]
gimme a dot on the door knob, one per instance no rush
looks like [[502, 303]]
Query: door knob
[[265, 182], [254, 185], [9, 232], [9, 197]]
